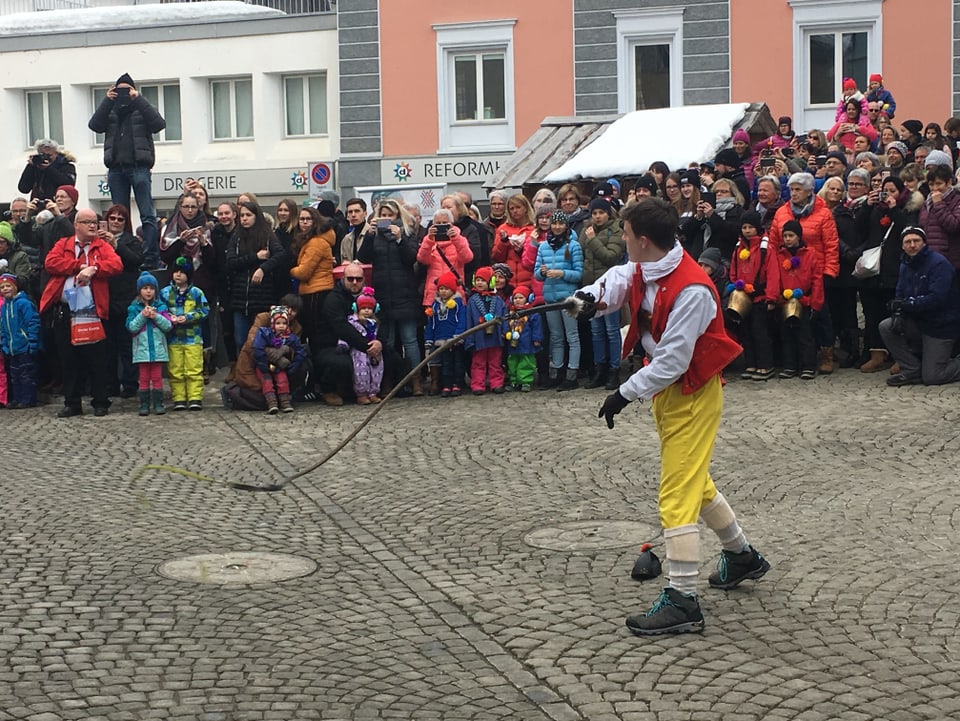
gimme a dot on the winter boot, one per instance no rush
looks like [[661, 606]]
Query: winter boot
[[598, 378], [158, 408], [613, 379], [434, 380], [416, 385], [570, 381], [877, 362], [826, 362], [285, 405], [272, 407], [144, 398]]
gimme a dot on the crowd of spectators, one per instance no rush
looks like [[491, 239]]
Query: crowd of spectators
[[829, 249]]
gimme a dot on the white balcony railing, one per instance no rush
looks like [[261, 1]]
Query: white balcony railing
[[291, 7]]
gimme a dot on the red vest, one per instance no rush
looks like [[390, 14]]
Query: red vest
[[714, 349]]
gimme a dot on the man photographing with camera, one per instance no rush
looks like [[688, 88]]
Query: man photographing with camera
[[129, 122], [47, 169]]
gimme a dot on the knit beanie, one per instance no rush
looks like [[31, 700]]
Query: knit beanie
[[899, 146], [71, 191], [485, 272], [849, 84], [522, 290], [752, 217], [785, 120], [648, 182], [914, 126], [147, 278], [711, 257], [741, 135], [125, 78], [184, 265], [503, 269], [278, 311], [6, 232], [447, 280], [935, 157], [838, 155], [691, 176], [876, 78], [547, 210], [327, 209], [8, 278], [366, 301], [728, 156], [614, 183], [794, 227], [559, 217], [600, 204]]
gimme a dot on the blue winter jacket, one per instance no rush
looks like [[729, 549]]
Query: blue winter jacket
[[19, 326], [443, 323], [930, 293], [531, 331], [479, 306], [265, 338], [568, 258], [149, 336]]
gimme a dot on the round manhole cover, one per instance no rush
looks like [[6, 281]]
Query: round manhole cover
[[591, 535], [238, 568]]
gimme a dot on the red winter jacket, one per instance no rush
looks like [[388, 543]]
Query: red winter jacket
[[749, 270], [819, 233], [804, 274], [62, 262]]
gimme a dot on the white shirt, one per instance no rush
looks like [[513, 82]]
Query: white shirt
[[692, 312]]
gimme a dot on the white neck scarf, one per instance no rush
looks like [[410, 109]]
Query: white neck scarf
[[654, 270]]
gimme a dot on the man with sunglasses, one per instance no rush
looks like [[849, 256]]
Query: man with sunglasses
[[333, 369]]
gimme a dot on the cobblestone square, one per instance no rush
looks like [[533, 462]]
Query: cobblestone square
[[427, 602]]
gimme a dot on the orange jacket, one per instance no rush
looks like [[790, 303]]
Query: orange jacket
[[819, 233], [314, 268]]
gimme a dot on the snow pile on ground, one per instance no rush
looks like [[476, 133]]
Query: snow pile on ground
[[130, 16], [677, 136]]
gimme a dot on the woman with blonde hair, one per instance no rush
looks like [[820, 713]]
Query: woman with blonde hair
[[513, 236], [479, 244]]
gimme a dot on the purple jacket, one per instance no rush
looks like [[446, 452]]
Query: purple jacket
[[941, 222]]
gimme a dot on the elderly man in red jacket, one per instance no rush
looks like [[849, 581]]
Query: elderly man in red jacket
[[82, 259]]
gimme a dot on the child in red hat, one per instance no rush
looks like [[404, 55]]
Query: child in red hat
[[484, 305], [446, 318], [524, 338]]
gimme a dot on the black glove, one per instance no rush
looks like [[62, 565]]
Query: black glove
[[613, 404], [273, 354], [283, 363], [588, 309]]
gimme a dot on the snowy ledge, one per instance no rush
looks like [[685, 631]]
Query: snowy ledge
[[131, 16]]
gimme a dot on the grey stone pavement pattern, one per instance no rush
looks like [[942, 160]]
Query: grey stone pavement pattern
[[427, 603]]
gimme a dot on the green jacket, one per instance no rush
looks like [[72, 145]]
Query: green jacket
[[603, 251]]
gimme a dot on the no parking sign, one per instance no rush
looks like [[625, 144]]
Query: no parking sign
[[320, 177]]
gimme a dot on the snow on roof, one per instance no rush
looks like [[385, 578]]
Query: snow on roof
[[677, 136], [128, 16]]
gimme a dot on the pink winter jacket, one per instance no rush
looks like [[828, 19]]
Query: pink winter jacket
[[456, 250]]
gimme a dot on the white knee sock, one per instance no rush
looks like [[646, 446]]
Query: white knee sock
[[683, 558], [719, 517]]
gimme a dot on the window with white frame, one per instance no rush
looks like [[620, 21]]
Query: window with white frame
[[165, 97], [44, 115], [837, 39], [305, 104], [232, 103], [649, 58], [475, 86]]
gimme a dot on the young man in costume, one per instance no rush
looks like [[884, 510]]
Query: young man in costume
[[679, 324]]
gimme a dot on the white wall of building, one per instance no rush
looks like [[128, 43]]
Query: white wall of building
[[97, 59]]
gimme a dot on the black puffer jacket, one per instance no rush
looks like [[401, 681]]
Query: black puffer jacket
[[129, 131], [43, 182], [123, 287], [333, 325], [394, 277], [246, 296]]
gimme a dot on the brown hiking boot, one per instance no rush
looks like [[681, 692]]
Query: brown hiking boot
[[285, 405], [877, 362], [272, 407], [332, 399], [825, 364]]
